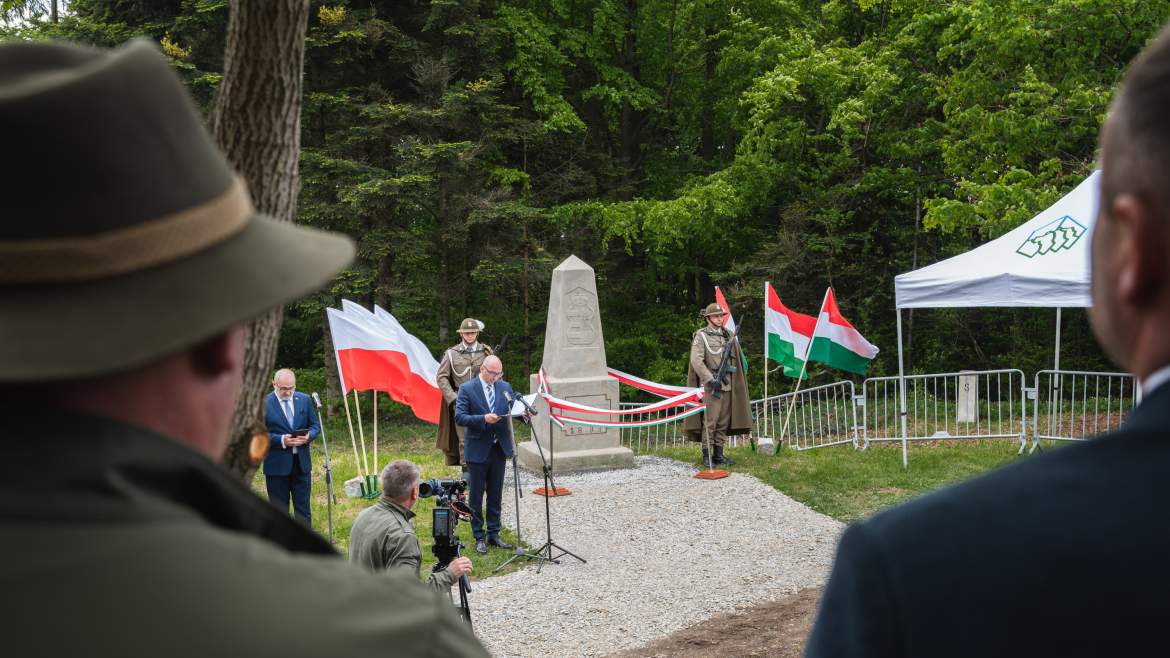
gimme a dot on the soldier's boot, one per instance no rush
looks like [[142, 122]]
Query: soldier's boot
[[706, 457], [720, 458]]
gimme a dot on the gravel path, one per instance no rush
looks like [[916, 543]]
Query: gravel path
[[665, 551]]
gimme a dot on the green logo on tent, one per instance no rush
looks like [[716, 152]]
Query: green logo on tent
[[1057, 235]]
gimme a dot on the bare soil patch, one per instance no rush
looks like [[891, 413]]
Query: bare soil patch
[[776, 629]]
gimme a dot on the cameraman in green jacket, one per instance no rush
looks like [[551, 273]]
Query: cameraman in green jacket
[[383, 537]]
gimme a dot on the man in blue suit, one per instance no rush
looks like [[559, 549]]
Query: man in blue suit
[[481, 406], [292, 424]]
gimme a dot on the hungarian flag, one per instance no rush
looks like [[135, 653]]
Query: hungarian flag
[[787, 333], [373, 354], [836, 343], [729, 323]]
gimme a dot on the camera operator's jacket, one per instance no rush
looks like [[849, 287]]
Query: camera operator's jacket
[[120, 541], [383, 538]]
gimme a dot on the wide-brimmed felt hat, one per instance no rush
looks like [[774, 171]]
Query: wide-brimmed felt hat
[[124, 234], [712, 309], [470, 325]]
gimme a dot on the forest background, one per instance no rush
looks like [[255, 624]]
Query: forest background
[[471, 145]]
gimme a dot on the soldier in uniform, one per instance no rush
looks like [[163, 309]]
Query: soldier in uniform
[[383, 538], [458, 365], [729, 414]]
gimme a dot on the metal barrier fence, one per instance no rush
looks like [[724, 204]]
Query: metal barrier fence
[[1074, 405], [653, 437], [986, 404], [821, 416], [983, 404]]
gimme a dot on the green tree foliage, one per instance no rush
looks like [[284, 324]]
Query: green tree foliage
[[470, 145]]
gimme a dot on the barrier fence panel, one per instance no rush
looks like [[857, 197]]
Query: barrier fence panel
[[653, 437], [1074, 405], [983, 404], [821, 416]]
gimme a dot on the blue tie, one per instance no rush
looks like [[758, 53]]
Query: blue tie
[[491, 398], [288, 412]]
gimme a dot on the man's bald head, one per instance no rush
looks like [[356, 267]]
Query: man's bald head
[[492, 369]]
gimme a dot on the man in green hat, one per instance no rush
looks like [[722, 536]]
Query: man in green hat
[[730, 413], [131, 259], [459, 365]]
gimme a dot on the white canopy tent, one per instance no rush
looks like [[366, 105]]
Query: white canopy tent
[[1042, 263]]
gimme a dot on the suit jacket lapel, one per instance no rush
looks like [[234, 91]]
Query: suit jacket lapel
[[274, 406]]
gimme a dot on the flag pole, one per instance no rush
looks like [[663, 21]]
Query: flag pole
[[767, 404], [357, 411], [352, 439], [375, 395], [803, 367]]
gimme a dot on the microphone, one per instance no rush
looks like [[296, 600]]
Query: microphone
[[317, 399], [528, 410]]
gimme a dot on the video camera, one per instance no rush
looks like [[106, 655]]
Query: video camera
[[450, 506]]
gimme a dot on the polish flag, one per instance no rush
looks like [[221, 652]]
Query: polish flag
[[377, 354]]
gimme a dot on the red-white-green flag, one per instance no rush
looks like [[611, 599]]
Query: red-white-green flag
[[787, 333], [836, 343]]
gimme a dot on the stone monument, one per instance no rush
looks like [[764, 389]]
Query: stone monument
[[575, 368]]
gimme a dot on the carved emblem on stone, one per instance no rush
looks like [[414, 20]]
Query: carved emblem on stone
[[581, 318]]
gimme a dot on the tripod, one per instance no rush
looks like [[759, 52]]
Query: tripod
[[330, 496], [519, 552], [444, 553], [549, 545]]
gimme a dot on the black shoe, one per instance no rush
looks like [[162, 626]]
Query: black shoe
[[480, 547], [720, 458], [704, 461], [498, 543]]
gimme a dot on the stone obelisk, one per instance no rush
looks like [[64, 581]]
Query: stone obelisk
[[575, 369]]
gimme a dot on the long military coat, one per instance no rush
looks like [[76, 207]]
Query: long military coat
[[458, 365], [706, 351]]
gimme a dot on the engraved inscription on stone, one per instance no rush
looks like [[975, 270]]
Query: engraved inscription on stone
[[600, 401], [580, 319]]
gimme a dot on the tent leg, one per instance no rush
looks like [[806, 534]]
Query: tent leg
[[1056, 361], [902, 391]]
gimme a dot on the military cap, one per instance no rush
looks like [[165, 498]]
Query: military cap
[[712, 309], [470, 325]]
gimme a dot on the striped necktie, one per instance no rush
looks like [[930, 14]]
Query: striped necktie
[[491, 398]]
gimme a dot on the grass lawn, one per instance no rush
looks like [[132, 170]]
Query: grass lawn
[[849, 485], [411, 440], [840, 482]]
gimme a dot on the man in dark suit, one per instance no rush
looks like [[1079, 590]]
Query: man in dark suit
[[1064, 554], [292, 424], [481, 406]]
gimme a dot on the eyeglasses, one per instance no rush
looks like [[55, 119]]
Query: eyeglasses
[[286, 388], [493, 373]]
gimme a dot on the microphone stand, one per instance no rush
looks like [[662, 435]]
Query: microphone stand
[[330, 496], [519, 551], [549, 545]]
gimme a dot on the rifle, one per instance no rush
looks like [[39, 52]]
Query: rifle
[[725, 365], [500, 347]]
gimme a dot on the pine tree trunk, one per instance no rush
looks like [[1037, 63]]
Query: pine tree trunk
[[256, 120]]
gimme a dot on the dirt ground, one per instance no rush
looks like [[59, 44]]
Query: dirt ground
[[776, 629]]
